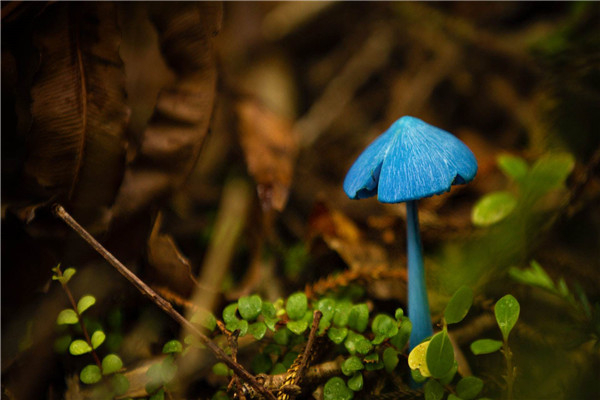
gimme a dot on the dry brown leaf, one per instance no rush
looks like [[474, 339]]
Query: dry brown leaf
[[270, 150], [76, 143], [176, 131], [344, 237]]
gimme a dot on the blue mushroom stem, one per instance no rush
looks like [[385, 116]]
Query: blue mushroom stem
[[418, 305]]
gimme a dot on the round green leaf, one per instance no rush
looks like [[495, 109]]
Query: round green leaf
[[172, 346], [359, 317], [493, 208], [356, 382], [278, 368], [97, 339], [453, 397], [351, 365], [416, 375], [449, 377], [327, 307], [342, 313], [507, 313], [261, 364], [296, 305], [120, 384], [289, 359], [298, 327], [469, 387], [440, 355], [390, 359], [85, 302], [268, 310], [229, 314], [168, 369], [433, 390], [90, 374], [401, 339], [485, 346], [337, 335], [67, 275], [79, 347], [357, 343], [160, 395], [257, 329], [250, 307], [459, 305], [221, 369], [550, 171], [383, 327], [67, 317], [111, 363], [282, 337], [399, 314], [206, 319], [513, 167], [336, 389]]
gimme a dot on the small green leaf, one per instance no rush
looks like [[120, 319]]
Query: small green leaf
[[168, 369], [336, 389], [298, 327], [172, 346], [278, 368], [513, 167], [459, 305], [327, 307], [440, 355], [485, 346], [289, 359], [67, 275], [534, 276], [390, 359], [229, 314], [416, 375], [383, 327], [238, 324], [257, 330], [160, 395], [120, 384], [296, 305], [492, 208], [359, 317], [453, 397], [550, 171], [282, 337], [433, 390], [250, 307], [85, 302], [79, 347], [469, 387], [357, 343], [342, 313], [401, 339], [351, 365], [90, 374], [205, 319], [67, 317], [449, 377], [221, 369], [111, 363], [337, 335], [154, 375], [507, 313], [268, 310], [97, 339], [356, 382], [261, 364], [399, 314]]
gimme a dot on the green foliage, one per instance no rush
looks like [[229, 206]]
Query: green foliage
[[261, 364], [507, 312], [469, 387], [459, 305], [79, 347], [111, 364], [433, 390], [205, 319], [351, 365], [493, 207], [342, 313], [250, 307], [337, 335], [440, 355], [97, 339], [384, 327], [355, 383], [390, 359], [120, 384], [296, 306], [221, 369], [172, 346], [485, 346], [67, 317], [359, 317], [513, 167], [90, 374], [336, 389], [85, 302]]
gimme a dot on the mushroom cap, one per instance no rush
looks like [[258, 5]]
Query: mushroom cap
[[409, 161]]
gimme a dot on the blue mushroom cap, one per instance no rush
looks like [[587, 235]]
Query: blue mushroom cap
[[409, 161]]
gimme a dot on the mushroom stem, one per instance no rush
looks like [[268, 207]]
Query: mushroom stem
[[418, 305]]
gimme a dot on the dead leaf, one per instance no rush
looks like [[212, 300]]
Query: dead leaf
[[76, 143], [270, 150], [176, 131]]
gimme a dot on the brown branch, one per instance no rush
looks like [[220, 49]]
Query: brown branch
[[309, 347], [160, 302]]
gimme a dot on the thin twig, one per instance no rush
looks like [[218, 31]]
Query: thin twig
[[160, 302], [309, 347]]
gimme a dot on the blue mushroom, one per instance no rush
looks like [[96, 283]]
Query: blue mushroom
[[409, 161]]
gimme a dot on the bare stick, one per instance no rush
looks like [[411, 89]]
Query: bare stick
[[309, 346], [160, 302]]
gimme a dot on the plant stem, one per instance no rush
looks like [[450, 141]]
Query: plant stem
[[160, 302], [418, 304], [510, 371]]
